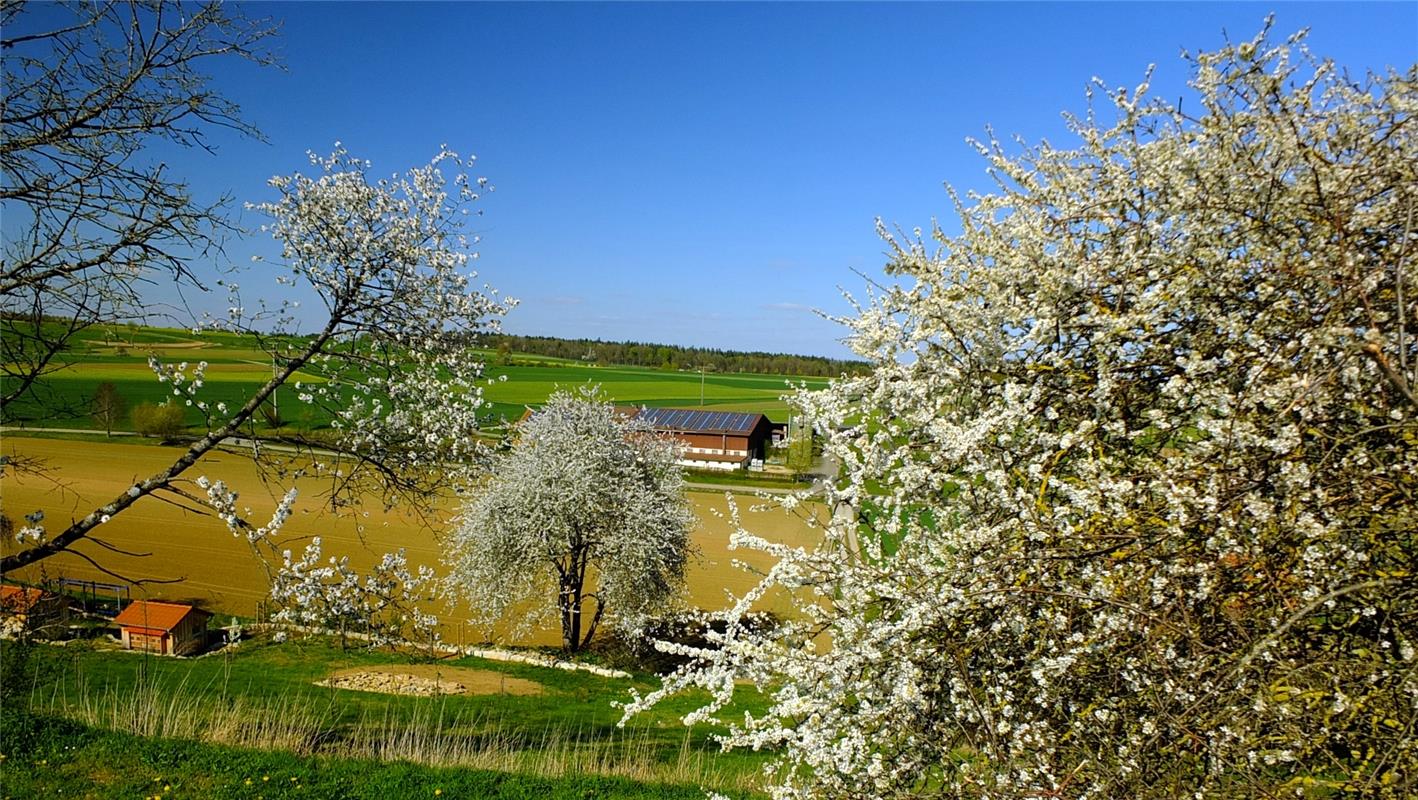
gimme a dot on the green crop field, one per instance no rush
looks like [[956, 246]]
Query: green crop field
[[237, 366]]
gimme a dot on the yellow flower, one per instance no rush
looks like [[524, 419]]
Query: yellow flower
[[437, 792]]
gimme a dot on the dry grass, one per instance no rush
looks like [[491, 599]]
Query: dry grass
[[482, 743], [294, 723]]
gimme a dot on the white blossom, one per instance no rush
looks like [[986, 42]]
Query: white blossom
[[1126, 506], [582, 491]]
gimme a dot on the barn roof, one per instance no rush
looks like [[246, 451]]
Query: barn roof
[[687, 420], [154, 615]]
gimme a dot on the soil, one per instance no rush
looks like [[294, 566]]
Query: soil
[[429, 679]]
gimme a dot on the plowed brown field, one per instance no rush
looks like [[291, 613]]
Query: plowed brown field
[[221, 572]]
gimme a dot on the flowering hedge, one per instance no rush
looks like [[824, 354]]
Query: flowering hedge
[[1127, 504]]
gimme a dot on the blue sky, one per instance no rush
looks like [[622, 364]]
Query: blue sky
[[705, 174]]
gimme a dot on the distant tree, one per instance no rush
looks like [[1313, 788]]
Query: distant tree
[[502, 355], [108, 406], [800, 450], [160, 420], [381, 606], [271, 415], [587, 507]]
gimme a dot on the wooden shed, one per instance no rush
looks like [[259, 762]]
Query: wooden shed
[[719, 440], [168, 628]]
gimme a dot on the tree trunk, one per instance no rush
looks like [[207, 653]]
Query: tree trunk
[[570, 617], [591, 631]]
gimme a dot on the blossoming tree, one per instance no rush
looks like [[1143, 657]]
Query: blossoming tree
[[1134, 481], [588, 506], [390, 360]]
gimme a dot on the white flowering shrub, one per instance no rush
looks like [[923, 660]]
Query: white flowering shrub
[[1132, 483], [586, 508]]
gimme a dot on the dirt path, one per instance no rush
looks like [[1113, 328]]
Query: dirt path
[[430, 679]]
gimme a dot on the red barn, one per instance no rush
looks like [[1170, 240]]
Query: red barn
[[168, 628], [712, 439], [723, 440]]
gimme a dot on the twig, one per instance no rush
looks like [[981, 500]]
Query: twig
[[1398, 283]]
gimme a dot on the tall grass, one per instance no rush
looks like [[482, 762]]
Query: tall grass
[[145, 707], [480, 741], [308, 724]]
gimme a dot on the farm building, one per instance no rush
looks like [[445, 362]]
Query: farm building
[[26, 608], [724, 440], [168, 628], [712, 439]]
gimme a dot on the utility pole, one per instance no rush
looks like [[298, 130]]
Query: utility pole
[[701, 385]]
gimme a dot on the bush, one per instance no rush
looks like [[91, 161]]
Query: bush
[[683, 631], [1127, 501], [160, 421]]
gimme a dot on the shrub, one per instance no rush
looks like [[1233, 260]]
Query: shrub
[[161, 421], [686, 632], [1127, 505]]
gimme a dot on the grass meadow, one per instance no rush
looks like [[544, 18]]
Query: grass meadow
[[251, 722]]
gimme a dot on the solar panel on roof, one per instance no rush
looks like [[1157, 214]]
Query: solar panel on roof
[[685, 419]]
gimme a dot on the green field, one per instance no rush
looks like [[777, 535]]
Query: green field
[[254, 723], [118, 354]]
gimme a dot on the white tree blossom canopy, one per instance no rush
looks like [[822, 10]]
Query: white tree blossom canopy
[[587, 505], [389, 259], [1134, 476], [391, 361]]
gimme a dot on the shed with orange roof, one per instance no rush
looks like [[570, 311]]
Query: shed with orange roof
[[168, 628]]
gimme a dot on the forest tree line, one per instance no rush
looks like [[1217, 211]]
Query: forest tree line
[[664, 356]]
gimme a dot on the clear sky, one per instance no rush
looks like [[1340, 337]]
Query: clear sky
[[706, 174]]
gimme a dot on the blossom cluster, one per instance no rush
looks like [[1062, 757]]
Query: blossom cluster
[[221, 499], [381, 606], [389, 259], [1126, 506], [33, 529]]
